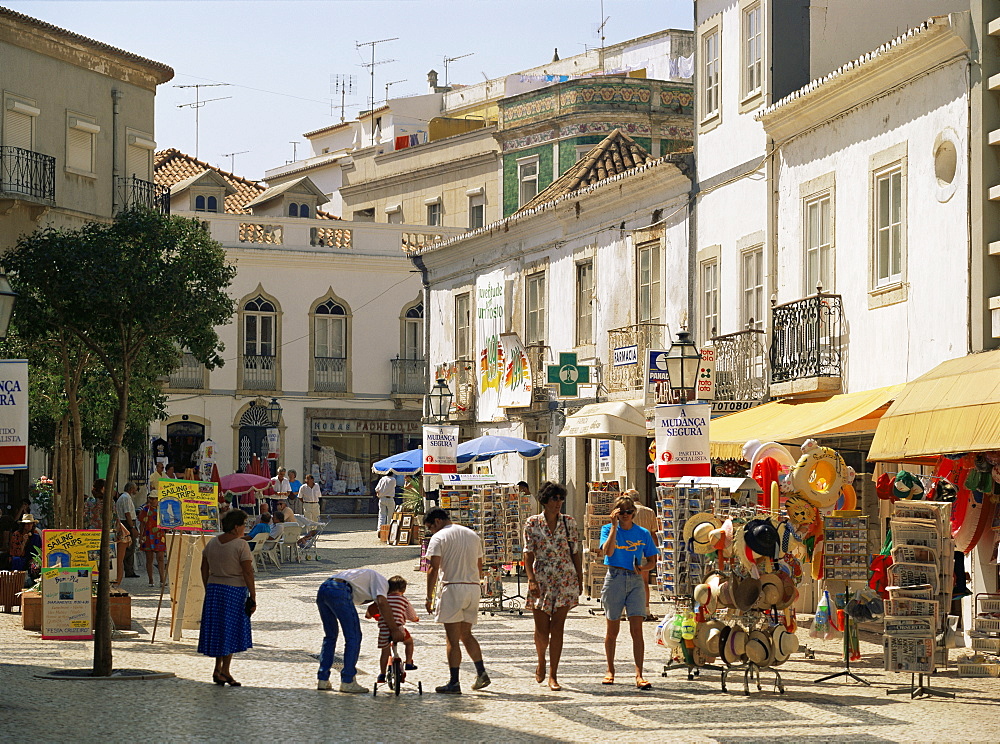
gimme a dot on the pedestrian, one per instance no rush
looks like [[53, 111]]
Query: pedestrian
[[24, 542], [263, 527], [646, 518], [456, 553], [336, 602], [154, 477], [553, 563], [282, 508], [628, 549], [309, 494], [93, 509], [125, 508], [385, 490], [525, 490], [294, 484], [230, 597], [402, 611], [152, 539]]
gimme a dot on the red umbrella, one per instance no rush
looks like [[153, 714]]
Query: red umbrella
[[244, 483]]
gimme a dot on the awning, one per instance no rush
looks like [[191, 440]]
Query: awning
[[790, 420], [602, 420], [953, 408]]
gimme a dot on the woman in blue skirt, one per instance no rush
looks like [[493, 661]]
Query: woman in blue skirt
[[230, 596]]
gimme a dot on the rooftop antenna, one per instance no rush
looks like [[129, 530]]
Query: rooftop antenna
[[387, 85], [232, 158], [448, 60], [600, 32], [197, 104], [342, 85], [295, 150], [371, 69]]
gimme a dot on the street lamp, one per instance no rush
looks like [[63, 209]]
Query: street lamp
[[273, 413], [439, 401], [683, 362], [7, 297]]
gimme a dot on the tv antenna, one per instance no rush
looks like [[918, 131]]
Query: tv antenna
[[197, 104], [371, 69], [295, 150], [343, 86], [387, 85], [232, 158], [449, 60], [600, 32]]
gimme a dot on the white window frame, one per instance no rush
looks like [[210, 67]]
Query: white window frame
[[708, 290], [81, 129], [522, 179], [139, 144], [752, 280], [710, 72], [817, 243], [585, 302], [435, 213], [534, 308], [888, 283], [648, 296], [19, 106], [412, 331], [890, 224], [326, 327], [477, 211], [463, 326], [751, 50]]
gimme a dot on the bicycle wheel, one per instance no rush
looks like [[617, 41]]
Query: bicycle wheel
[[397, 674]]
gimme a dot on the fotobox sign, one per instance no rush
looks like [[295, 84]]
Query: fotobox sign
[[682, 443], [440, 449]]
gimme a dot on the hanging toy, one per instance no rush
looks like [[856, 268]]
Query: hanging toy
[[819, 474]]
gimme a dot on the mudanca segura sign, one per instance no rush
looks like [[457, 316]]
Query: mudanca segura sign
[[440, 449], [682, 444], [14, 414]]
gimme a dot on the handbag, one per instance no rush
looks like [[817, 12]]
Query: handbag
[[249, 606], [572, 545]]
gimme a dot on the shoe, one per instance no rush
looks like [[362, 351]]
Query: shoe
[[218, 680], [482, 680], [324, 684], [452, 688], [131, 576], [352, 686], [380, 679], [651, 618], [410, 667]]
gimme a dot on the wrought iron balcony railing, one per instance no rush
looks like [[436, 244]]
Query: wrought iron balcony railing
[[538, 356], [644, 336], [740, 365], [135, 192], [260, 372], [409, 377], [807, 338], [330, 374], [190, 375], [27, 173]]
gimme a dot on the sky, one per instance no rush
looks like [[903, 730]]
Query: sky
[[279, 56]]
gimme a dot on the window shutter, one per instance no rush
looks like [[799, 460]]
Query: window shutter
[[137, 162], [17, 130], [80, 150]]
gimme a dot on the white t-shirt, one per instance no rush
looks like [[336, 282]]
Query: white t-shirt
[[460, 549], [125, 507], [309, 495], [281, 485], [386, 487], [366, 584]]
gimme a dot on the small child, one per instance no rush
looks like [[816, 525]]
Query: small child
[[402, 610]]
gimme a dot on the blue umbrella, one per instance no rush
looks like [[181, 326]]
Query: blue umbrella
[[404, 463], [489, 446]]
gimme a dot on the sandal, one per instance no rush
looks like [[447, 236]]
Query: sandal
[[609, 679], [554, 686], [539, 674], [642, 684]]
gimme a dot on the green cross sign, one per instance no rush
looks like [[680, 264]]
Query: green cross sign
[[568, 375]]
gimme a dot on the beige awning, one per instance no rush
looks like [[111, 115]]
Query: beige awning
[[602, 420], [953, 408]]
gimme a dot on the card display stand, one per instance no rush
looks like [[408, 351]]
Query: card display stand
[[601, 497], [679, 570]]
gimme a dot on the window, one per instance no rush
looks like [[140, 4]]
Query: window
[[477, 211], [582, 150], [434, 214], [527, 179], [293, 210], [648, 283], [585, 303], [463, 326], [752, 51], [206, 204], [413, 332], [81, 144], [139, 150], [213, 204], [889, 218], [364, 215], [709, 299], [752, 308], [303, 210], [710, 66], [330, 331], [534, 311], [258, 325], [819, 245], [19, 123]]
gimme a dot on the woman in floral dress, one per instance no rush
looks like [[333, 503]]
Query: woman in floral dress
[[553, 563], [151, 539]]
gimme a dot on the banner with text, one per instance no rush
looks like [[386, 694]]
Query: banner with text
[[490, 323], [515, 385], [64, 548], [191, 506], [440, 449], [682, 445], [66, 604], [14, 414]]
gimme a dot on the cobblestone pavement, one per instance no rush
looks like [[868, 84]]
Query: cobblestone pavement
[[279, 700]]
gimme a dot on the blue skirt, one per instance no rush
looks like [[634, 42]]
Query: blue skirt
[[225, 627]]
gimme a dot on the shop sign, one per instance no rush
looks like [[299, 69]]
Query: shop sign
[[468, 479], [604, 456], [191, 506], [64, 548], [440, 449], [722, 407], [14, 414], [515, 384], [706, 375], [350, 426], [490, 321], [568, 374], [657, 377], [66, 599], [273, 449], [682, 442], [625, 356]]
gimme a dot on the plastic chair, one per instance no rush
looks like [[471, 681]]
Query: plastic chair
[[257, 553], [290, 534]]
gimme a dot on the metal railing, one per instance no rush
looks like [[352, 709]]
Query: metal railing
[[190, 375], [740, 365], [330, 374], [807, 338], [409, 377], [27, 173], [538, 357], [260, 372], [645, 336], [135, 192]]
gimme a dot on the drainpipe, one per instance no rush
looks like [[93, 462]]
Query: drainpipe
[[116, 97]]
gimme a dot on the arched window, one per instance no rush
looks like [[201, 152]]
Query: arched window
[[259, 344], [213, 204], [199, 203], [413, 332], [293, 210], [330, 347], [303, 210]]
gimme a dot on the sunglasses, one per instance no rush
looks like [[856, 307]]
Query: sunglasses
[[626, 511], [556, 498]]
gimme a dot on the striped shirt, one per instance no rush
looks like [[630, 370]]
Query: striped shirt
[[402, 611]]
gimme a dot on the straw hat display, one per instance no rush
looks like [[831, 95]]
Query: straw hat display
[[697, 532], [771, 591], [708, 637], [758, 648], [783, 643], [789, 592], [746, 593]]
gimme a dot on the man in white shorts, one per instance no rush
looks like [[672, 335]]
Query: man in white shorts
[[457, 553]]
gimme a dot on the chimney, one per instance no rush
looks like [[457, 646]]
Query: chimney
[[555, 57], [432, 80]]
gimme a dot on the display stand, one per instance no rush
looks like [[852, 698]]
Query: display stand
[[751, 672], [918, 688], [847, 657]]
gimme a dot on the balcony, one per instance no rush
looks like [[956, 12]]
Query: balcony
[[190, 375], [27, 174], [134, 192], [740, 365], [409, 377], [460, 375], [537, 358], [330, 374], [807, 346], [645, 336], [260, 372]]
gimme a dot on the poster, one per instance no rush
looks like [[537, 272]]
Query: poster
[[706, 375], [66, 600], [14, 414], [491, 316], [515, 384], [657, 378], [191, 506], [440, 449], [682, 447], [604, 456], [65, 548]]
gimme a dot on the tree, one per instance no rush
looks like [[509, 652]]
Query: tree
[[127, 295]]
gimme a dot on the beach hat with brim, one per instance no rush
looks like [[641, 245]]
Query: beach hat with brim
[[771, 591], [788, 591], [701, 542], [761, 536], [746, 593], [784, 644], [29, 518], [758, 648], [726, 594]]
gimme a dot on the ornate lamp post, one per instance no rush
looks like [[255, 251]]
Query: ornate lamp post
[[273, 413], [683, 362], [439, 401]]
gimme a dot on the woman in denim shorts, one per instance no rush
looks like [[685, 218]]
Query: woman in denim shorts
[[628, 550]]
